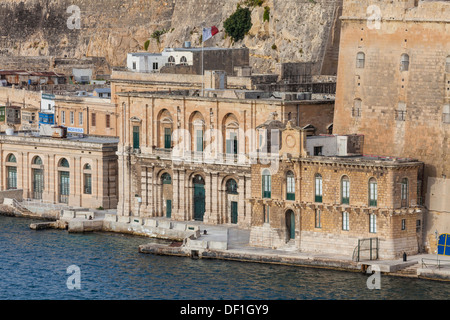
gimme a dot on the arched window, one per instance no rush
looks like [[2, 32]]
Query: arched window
[[345, 190], [404, 193], [37, 161], [183, 61], [11, 158], [373, 192], [360, 60], [404, 66], [318, 188], [290, 186], [64, 181], [266, 184], [166, 179], [171, 60], [232, 187], [87, 179], [64, 163], [11, 172]]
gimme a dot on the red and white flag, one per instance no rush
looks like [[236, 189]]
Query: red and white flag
[[208, 33]]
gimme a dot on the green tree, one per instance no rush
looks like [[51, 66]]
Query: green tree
[[238, 24]]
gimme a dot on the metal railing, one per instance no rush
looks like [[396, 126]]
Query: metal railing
[[367, 249], [435, 263]]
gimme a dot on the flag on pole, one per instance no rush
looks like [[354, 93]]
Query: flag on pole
[[208, 33]]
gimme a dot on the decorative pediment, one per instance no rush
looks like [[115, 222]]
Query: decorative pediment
[[135, 119]]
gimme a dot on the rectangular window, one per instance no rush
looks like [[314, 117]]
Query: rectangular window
[[63, 117], [136, 142], [232, 144], [446, 114], [318, 189], [266, 186], [345, 221], [155, 66], [87, 183], [11, 182], [345, 191], [318, 218], [134, 65], [373, 224], [93, 120], [318, 151], [290, 186], [167, 138], [403, 224], [418, 226], [199, 140], [72, 117], [80, 118], [108, 121]]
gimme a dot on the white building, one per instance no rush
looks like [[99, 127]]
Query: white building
[[334, 145], [47, 103], [82, 75], [146, 62]]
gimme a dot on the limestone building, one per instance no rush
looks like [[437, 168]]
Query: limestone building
[[354, 205], [78, 172], [186, 157], [394, 88]]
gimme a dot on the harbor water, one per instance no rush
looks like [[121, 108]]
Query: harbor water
[[38, 265]]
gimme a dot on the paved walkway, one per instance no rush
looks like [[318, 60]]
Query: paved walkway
[[238, 243]]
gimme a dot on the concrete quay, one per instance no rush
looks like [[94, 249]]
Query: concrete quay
[[227, 242]]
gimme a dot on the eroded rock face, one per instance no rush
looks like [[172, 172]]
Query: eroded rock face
[[298, 30]]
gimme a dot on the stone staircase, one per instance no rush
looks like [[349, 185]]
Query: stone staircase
[[19, 209], [410, 271]]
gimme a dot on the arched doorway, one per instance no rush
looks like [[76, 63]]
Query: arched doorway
[[38, 178], [167, 191], [232, 197], [290, 224], [64, 181], [199, 198]]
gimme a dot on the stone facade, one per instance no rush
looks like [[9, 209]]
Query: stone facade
[[39, 165], [395, 96], [327, 219], [91, 116], [159, 137]]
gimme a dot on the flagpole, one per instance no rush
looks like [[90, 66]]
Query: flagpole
[[203, 66]]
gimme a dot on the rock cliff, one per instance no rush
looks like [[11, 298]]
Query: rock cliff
[[297, 30]]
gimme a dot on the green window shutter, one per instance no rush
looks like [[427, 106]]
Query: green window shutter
[[200, 140], [167, 138], [136, 142]]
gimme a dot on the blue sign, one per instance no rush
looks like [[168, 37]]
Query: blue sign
[[75, 130], [443, 247]]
